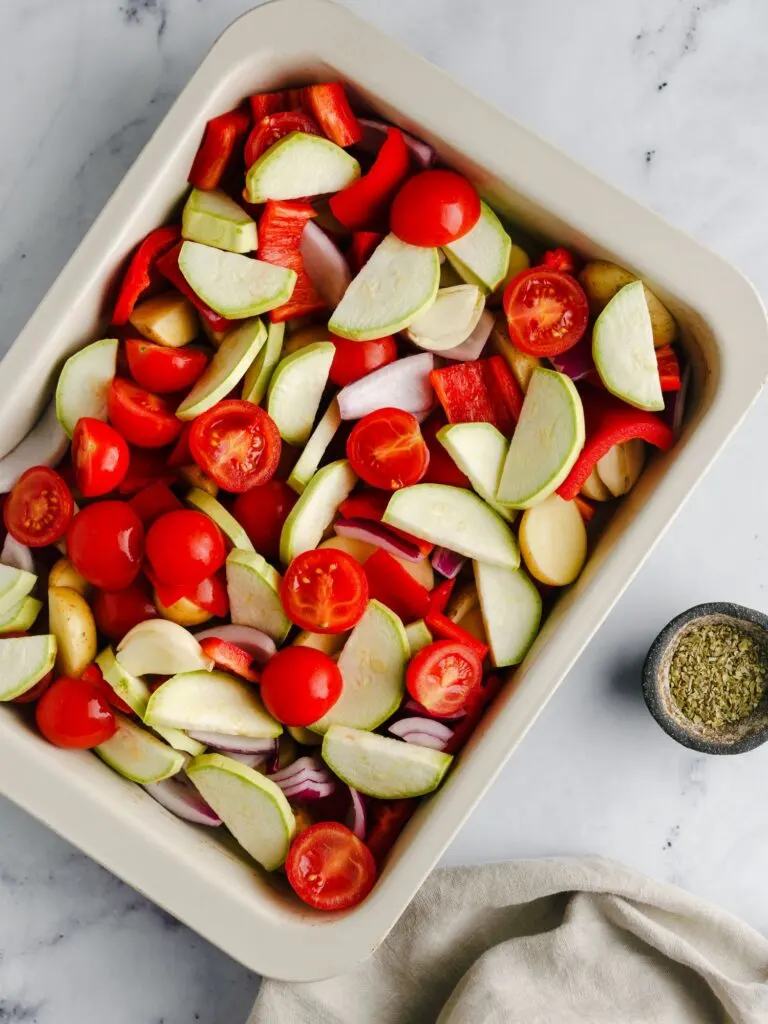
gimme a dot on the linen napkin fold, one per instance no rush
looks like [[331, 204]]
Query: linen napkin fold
[[554, 941]]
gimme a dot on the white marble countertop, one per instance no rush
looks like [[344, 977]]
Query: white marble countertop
[[666, 98]]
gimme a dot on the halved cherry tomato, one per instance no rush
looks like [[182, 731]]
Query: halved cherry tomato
[[75, 713], [100, 456], [386, 449], [117, 611], [546, 310], [329, 867], [147, 466], [154, 501], [230, 657], [142, 418], [185, 547], [161, 369], [443, 676], [105, 543], [93, 674], [299, 685], [39, 508], [262, 511], [273, 127], [435, 208], [237, 444], [324, 591], [355, 359]]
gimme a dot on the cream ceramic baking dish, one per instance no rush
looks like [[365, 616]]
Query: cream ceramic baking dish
[[190, 873]]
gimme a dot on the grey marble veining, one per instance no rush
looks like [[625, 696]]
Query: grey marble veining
[[666, 98]]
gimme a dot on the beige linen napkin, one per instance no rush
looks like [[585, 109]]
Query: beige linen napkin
[[544, 942]]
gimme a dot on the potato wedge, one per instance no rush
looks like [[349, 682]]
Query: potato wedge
[[306, 336], [169, 319], [71, 622], [464, 609], [64, 574], [195, 477], [183, 612], [620, 468], [601, 280], [553, 541]]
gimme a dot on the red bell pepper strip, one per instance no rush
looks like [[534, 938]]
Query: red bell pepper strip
[[137, 277], [181, 453], [220, 137], [330, 107], [154, 501], [394, 586], [365, 203], [273, 127], [669, 368], [609, 421], [387, 819], [363, 244], [586, 508], [264, 103], [280, 230], [441, 468], [475, 708], [368, 504], [230, 657], [480, 391], [442, 628], [168, 265], [295, 99], [559, 259], [440, 596]]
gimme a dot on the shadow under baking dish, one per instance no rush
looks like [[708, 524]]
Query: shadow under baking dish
[[189, 871]]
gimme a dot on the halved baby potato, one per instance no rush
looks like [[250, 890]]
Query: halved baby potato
[[553, 541], [64, 574], [71, 622], [169, 319]]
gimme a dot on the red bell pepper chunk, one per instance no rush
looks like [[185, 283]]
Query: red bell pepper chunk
[[387, 819], [394, 586], [669, 368], [363, 244], [295, 99], [479, 391], [330, 107], [475, 708], [369, 504], [154, 501], [609, 421], [442, 628], [586, 508], [137, 277], [440, 596], [559, 259], [441, 469], [220, 137], [273, 127], [230, 657], [168, 265], [365, 202], [280, 230], [264, 103]]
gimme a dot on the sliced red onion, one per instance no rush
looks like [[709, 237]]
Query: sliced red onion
[[674, 402], [375, 132], [418, 709], [312, 765], [357, 820], [325, 263], [251, 640], [472, 347], [447, 563], [181, 798], [308, 789], [404, 384], [256, 761], [305, 779], [235, 744], [18, 556], [377, 534], [424, 732], [577, 362]]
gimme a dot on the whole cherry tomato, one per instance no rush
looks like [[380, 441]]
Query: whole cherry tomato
[[435, 208], [117, 611], [262, 511], [105, 543], [161, 369], [75, 713], [299, 685], [185, 547]]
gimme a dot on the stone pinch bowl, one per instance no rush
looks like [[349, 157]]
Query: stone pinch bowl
[[736, 738]]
